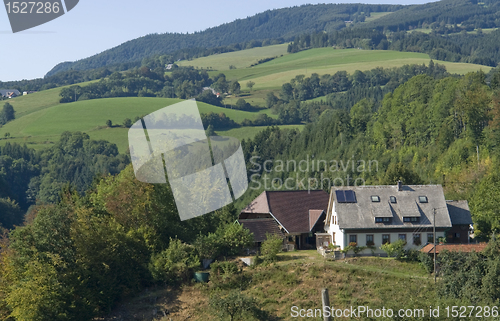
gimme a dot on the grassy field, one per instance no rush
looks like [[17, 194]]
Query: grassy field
[[271, 75], [376, 15], [239, 59], [296, 280], [40, 127], [250, 132]]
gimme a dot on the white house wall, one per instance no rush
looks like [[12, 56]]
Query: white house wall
[[377, 238], [341, 238]]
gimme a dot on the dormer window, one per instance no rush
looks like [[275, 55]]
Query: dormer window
[[375, 198], [411, 219], [393, 199], [384, 220], [423, 199]]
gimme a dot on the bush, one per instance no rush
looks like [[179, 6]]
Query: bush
[[234, 305], [228, 240], [234, 238], [174, 264], [394, 248], [271, 247], [426, 262], [127, 123]]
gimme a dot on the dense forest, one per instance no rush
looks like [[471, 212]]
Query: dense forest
[[28, 177], [470, 14]]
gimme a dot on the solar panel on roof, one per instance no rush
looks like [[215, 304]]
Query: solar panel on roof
[[340, 196], [345, 196], [350, 197]]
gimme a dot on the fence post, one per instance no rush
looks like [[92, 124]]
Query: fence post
[[326, 303]]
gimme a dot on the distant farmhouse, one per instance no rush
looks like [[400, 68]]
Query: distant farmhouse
[[365, 216], [9, 93]]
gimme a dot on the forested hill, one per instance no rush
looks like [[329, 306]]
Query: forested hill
[[467, 13], [272, 24]]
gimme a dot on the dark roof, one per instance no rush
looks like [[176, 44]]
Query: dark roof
[[362, 214], [429, 248], [314, 216], [290, 208], [459, 212], [4, 92], [260, 227]]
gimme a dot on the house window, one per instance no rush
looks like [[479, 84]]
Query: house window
[[369, 240], [382, 220], [411, 219], [430, 238], [423, 199], [386, 238], [402, 237], [375, 198], [353, 239], [393, 199], [416, 239], [378, 220]]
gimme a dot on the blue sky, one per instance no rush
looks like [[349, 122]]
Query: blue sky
[[96, 25]]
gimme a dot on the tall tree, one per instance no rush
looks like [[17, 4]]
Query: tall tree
[[7, 114]]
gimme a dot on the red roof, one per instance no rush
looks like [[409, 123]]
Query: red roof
[[466, 248], [291, 208]]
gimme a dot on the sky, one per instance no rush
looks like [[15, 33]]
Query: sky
[[96, 25]]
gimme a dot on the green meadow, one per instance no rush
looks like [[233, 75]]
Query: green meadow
[[239, 59], [272, 74], [249, 132], [40, 127]]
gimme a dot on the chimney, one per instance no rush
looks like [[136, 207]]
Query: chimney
[[400, 186]]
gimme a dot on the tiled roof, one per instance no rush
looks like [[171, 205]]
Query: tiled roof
[[290, 208], [261, 227], [314, 216], [258, 205], [429, 248], [362, 214]]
